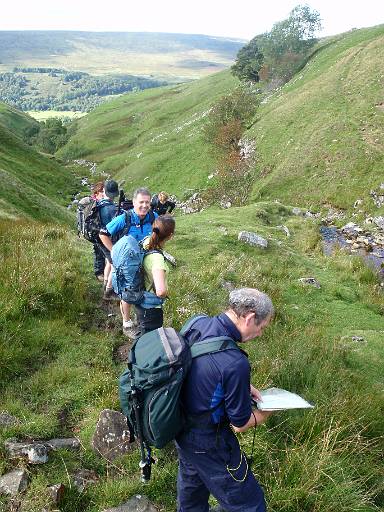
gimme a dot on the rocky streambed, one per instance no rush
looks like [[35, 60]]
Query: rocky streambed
[[356, 240]]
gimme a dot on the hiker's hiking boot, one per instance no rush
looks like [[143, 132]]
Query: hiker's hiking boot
[[109, 294], [130, 330]]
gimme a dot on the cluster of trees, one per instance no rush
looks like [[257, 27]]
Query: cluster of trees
[[75, 91], [227, 121], [47, 136], [280, 53]]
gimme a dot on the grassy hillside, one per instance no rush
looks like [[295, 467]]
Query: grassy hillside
[[318, 139], [58, 339], [57, 345], [33, 185], [14, 120], [171, 56], [153, 135]]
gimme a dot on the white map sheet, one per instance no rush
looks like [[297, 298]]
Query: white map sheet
[[276, 399]]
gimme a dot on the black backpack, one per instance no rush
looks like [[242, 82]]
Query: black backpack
[[88, 220]]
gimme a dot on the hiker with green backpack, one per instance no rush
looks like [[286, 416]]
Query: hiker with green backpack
[[193, 386]]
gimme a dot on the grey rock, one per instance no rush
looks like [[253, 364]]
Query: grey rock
[[37, 451], [225, 204], [37, 454], [111, 437], [171, 259], [310, 281], [252, 239], [84, 478], [136, 504], [296, 211], [70, 443], [227, 285], [14, 482], [56, 492], [7, 420], [379, 221], [285, 229]]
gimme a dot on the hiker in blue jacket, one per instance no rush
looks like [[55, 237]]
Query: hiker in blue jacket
[[210, 459], [138, 223]]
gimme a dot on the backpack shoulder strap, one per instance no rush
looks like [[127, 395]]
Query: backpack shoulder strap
[[188, 324], [151, 217], [211, 345]]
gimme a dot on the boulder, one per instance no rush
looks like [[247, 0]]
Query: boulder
[[14, 482], [136, 504], [111, 437], [37, 451], [7, 420], [56, 492], [310, 281], [84, 478], [252, 239]]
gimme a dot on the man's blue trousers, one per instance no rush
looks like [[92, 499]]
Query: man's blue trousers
[[211, 462]]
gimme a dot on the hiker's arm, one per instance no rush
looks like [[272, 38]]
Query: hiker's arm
[[255, 393], [159, 282], [256, 418], [106, 241]]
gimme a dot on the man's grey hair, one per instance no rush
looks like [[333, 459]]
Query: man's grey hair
[[143, 191], [249, 300]]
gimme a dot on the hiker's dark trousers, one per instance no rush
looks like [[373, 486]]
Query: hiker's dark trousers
[[149, 319], [214, 464], [98, 260]]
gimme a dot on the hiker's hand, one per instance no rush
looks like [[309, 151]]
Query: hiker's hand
[[255, 394]]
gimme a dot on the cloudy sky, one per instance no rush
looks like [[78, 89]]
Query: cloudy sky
[[230, 18]]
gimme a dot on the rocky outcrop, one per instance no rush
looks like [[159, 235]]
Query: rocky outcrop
[[252, 239], [136, 504], [36, 452], [111, 437], [14, 482]]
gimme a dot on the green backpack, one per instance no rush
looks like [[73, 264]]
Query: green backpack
[[150, 387]]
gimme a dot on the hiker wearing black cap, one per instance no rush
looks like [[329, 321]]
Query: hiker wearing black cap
[[107, 210], [216, 398]]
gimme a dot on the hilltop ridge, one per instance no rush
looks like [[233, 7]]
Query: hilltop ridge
[[321, 128]]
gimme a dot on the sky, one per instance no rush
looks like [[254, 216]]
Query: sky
[[240, 19]]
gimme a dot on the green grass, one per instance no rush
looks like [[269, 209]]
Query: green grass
[[33, 185], [14, 120], [57, 343], [154, 135], [53, 349], [318, 138]]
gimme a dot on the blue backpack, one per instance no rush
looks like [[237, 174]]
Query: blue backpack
[[128, 274]]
